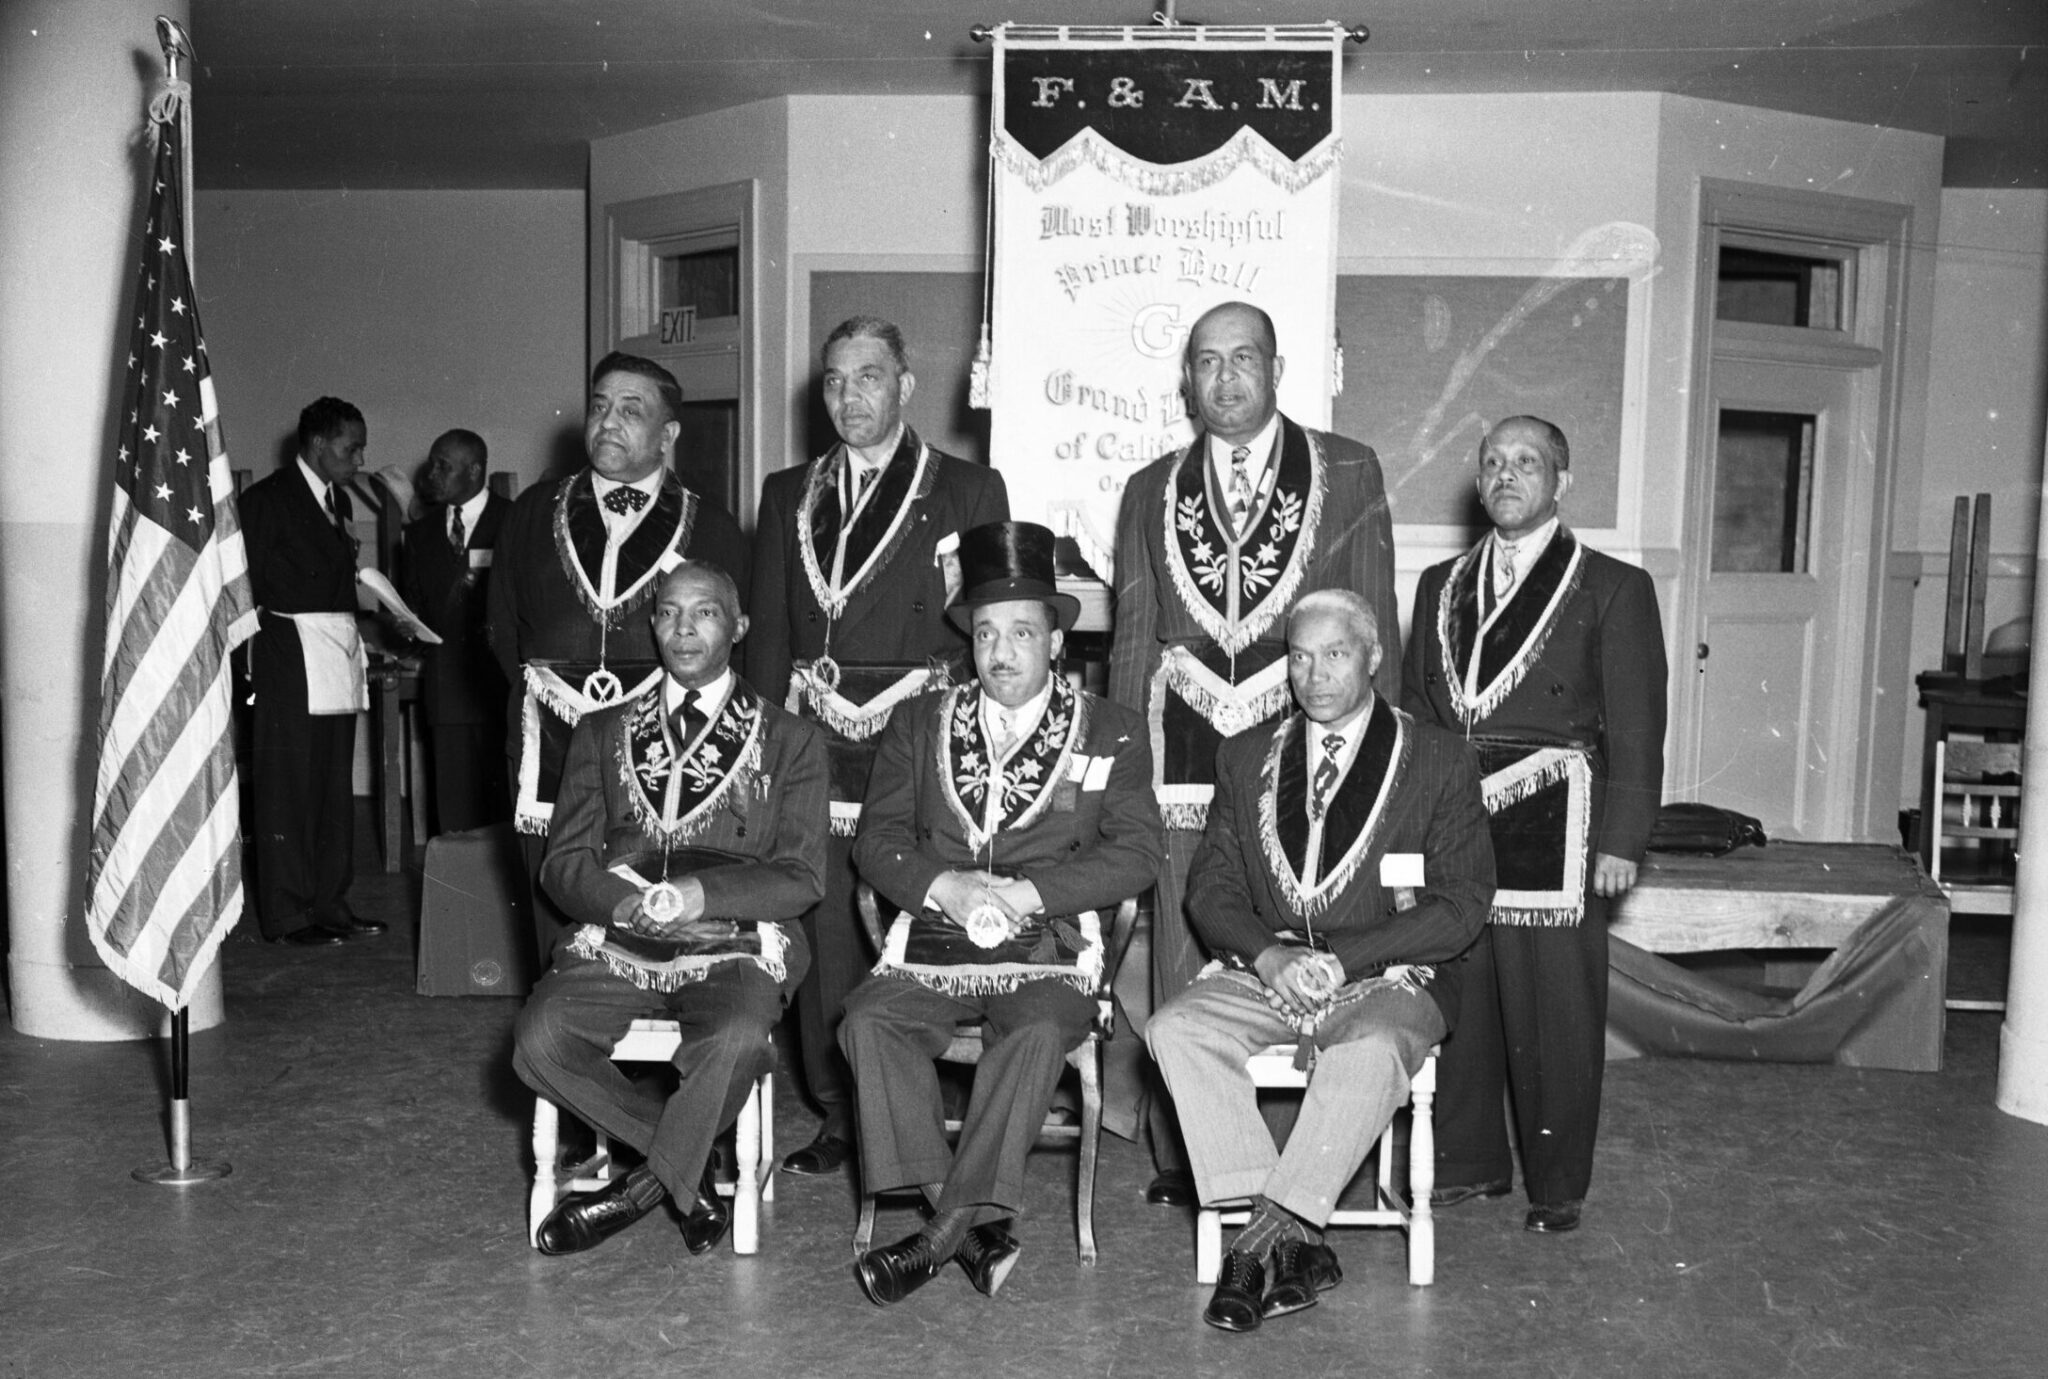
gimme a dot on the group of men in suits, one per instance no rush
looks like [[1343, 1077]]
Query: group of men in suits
[[1319, 831]]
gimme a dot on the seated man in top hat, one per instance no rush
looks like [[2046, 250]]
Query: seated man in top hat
[[688, 837], [1346, 862], [1005, 817]]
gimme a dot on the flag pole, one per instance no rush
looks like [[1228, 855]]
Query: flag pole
[[183, 1169]]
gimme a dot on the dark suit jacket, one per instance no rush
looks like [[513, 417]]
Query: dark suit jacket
[[1599, 680], [462, 682], [1354, 549], [1237, 903], [535, 614], [899, 614], [1104, 846], [299, 562], [777, 816]]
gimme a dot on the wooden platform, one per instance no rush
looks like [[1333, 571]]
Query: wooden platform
[[1786, 895], [1874, 933]]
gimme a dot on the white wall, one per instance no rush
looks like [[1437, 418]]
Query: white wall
[[427, 309], [1503, 184], [1987, 397]]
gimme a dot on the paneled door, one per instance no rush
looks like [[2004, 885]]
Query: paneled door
[[1786, 452]]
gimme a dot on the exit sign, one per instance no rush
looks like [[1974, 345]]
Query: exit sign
[[678, 325]]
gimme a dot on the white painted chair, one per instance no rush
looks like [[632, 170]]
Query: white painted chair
[[1274, 1068], [654, 1041], [1085, 1058]]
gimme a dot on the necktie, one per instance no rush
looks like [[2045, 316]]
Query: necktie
[[1240, 494], [1503, 569], [458, 535], [1326, 775], [688, 718], [862, 477], [626, 499], [1006, 731], [339, 509]]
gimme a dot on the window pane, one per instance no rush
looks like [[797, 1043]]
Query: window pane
[[1763, 492], [1771, 289], [709, 281]]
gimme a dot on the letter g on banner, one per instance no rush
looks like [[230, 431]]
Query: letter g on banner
[[1156, 330]]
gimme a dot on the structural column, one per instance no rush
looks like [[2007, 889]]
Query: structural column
[[2023, 1040], [76, 77]]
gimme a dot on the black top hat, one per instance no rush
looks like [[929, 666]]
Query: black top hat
[[1004, 561]]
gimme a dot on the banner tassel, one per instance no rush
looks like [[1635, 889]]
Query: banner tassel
[[977, 374]]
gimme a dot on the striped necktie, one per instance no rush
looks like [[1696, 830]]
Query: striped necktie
[[1326, 775], [1240, 489]]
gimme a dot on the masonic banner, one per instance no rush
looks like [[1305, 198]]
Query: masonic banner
[[1141, 177]]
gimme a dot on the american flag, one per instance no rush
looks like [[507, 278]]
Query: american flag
[[164, 882]]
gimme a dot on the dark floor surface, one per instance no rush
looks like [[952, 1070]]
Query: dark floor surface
[[1747, 1219]]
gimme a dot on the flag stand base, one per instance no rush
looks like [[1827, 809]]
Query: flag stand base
[[170, 1175], [183, 1169]]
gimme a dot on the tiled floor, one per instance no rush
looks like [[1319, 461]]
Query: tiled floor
[[1747, 1219]]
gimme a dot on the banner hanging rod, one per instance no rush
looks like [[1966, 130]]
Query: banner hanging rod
[[1169, 31]]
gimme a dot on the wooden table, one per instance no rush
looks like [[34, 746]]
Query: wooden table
[[1797, 896], [397, 684]]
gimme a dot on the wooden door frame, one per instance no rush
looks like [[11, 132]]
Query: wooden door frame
[[1877, 235], [622, 314]]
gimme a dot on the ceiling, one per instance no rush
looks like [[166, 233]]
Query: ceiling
[[507, 93]]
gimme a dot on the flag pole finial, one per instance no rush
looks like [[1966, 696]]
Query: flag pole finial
[[176, 43]]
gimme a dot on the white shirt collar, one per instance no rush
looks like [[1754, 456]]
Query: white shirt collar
[[1527, 548], [857, 463], [1353, 733], [618, 525], [1256, 463], [1023, 719], [472, 510], [649, 484], [316, 481], [711, 697]]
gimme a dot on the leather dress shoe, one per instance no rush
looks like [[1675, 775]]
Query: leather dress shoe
[[988, 1253], [706, 1222], [349, 924], [584, 1219], [1300, 1272], [1171, 1187], [312, 936], [822, 1155], [894, 1272], [1459, 1193], [1553, 1218], [1236, 1304]]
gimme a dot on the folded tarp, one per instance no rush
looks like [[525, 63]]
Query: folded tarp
[[1876, 1002]]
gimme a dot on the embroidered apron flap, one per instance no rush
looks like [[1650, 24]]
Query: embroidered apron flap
[[1200, 697], [1539, 807], [932, 951], [670, 964], [648, 867], [853, 712], [554, 703]]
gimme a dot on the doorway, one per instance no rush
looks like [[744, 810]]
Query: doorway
[[678, 289], [1788, 509]]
